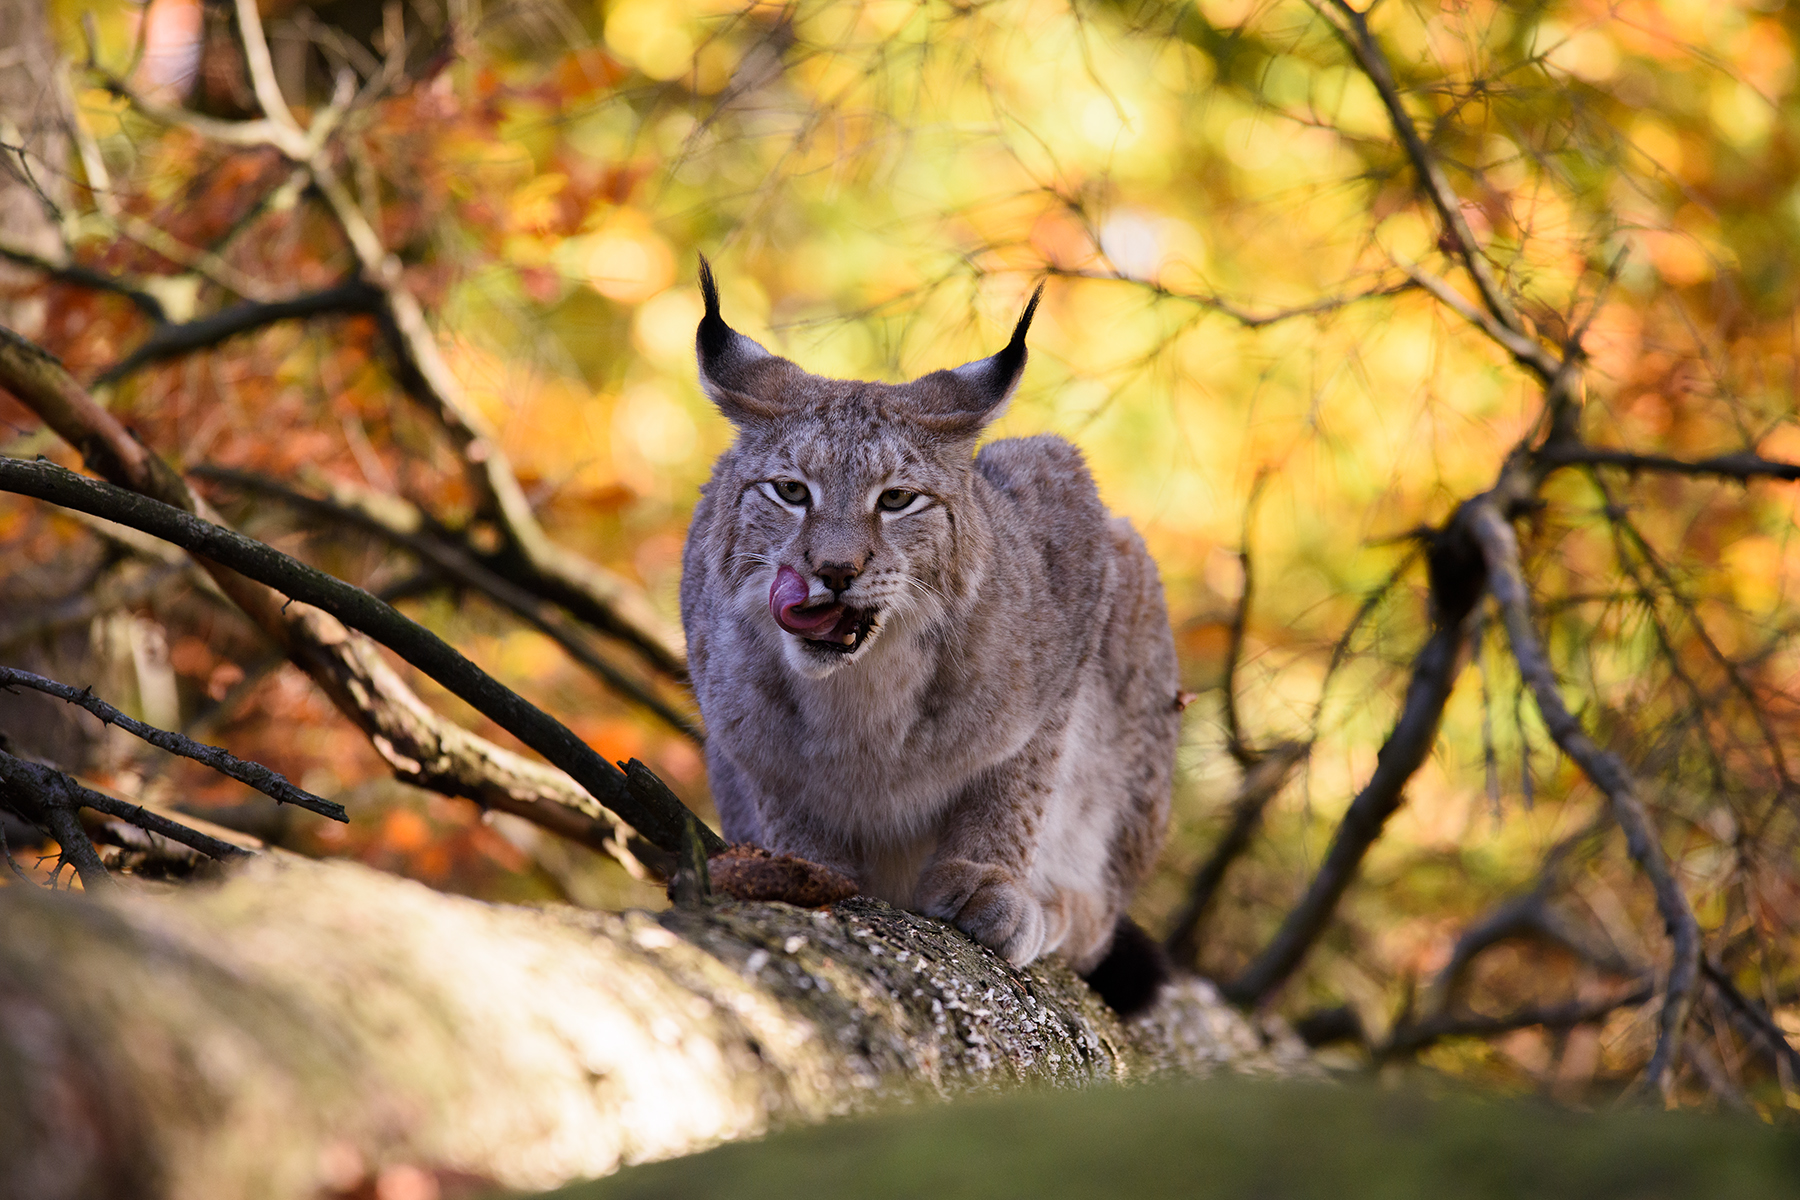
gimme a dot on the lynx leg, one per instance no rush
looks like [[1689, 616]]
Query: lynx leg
[[977, 878], [986, 902]]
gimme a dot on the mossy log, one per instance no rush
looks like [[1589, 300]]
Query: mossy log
[[1240, 1139], [301, 1027]]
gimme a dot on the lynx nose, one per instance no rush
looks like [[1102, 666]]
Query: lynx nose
[[836, 575]]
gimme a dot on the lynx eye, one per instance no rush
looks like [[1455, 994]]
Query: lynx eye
[[895, 499], [791, 491]]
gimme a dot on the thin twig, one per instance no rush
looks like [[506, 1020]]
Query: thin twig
[[155, 822], [421, 747], [1353, 27], [1746, 1011], [270, 783], [87, 277], [1237, 313], [1411, 1037], [1240, 620], [172, 341]]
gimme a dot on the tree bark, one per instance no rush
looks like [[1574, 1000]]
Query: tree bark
[[305, 1025]]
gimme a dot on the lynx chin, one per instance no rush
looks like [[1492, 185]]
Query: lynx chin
[[948, 675]]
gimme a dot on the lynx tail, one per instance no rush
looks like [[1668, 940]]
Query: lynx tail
[[1133, 971]]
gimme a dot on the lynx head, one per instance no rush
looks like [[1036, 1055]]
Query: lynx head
[[842, 509]]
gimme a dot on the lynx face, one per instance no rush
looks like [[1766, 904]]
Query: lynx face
[[834, 547], [840, 497]]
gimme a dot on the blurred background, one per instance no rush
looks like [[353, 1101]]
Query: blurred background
[[1225, 222]]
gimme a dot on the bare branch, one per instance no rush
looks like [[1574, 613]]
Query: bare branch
[[87, 277], [1747, 1012], [270, 783], [1240, 620], [155, 822], [262, 67], [1411, 1038], [652, 809], [1235, 311], [196, 259], [611, 603], [1525, 349], [1506, 580], [1262, 782], [48, 799], [1742, 467], [1434, 674], [1353, 28], [462, 567], [422, 747], [172, 341]]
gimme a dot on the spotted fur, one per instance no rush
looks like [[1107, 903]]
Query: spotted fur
[[996, 750]]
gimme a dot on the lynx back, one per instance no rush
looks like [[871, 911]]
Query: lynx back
[[948, 675]]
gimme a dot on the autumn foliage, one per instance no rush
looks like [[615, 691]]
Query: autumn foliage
[[1240, 330]]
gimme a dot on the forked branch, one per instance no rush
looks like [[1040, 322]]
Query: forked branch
[[1506, 581], [422, 747], [650, 807], [272, 784], [1433, 676]]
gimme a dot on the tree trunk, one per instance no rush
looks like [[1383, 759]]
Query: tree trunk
[[304, 1025]]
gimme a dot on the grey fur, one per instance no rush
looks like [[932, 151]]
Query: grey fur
[[997, 749]]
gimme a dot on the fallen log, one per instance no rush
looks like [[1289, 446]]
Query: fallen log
[[303, 1027]]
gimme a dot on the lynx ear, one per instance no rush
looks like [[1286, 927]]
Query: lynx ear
[[741, 377], [969, 396]]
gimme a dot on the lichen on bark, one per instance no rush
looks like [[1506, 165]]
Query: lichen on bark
[[274, 1035]]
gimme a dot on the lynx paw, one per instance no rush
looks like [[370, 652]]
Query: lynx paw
[[987, 903]]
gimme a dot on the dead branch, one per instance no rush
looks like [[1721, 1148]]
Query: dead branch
[[1235, 311], [1749, 1015], [420, 746], [1625, 529], [1741, 467], [1240, 749], [172, 341], [650, 808], [604, 599], [397, 522], [1413, 1037], [1434, 674], [156, 823], [49, 799], [1352, 28], [270, 783], [66, 271], [1506, 581], [1262, 782]]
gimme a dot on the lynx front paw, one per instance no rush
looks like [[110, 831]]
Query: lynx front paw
[[987, 903]]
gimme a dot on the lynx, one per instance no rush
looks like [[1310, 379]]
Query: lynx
[[948, 675]]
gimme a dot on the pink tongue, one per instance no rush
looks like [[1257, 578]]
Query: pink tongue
[[787, 598]]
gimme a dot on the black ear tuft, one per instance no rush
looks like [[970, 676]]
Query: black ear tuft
[[971, 395], [714, 333], [735, 371], [1011, 361]]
